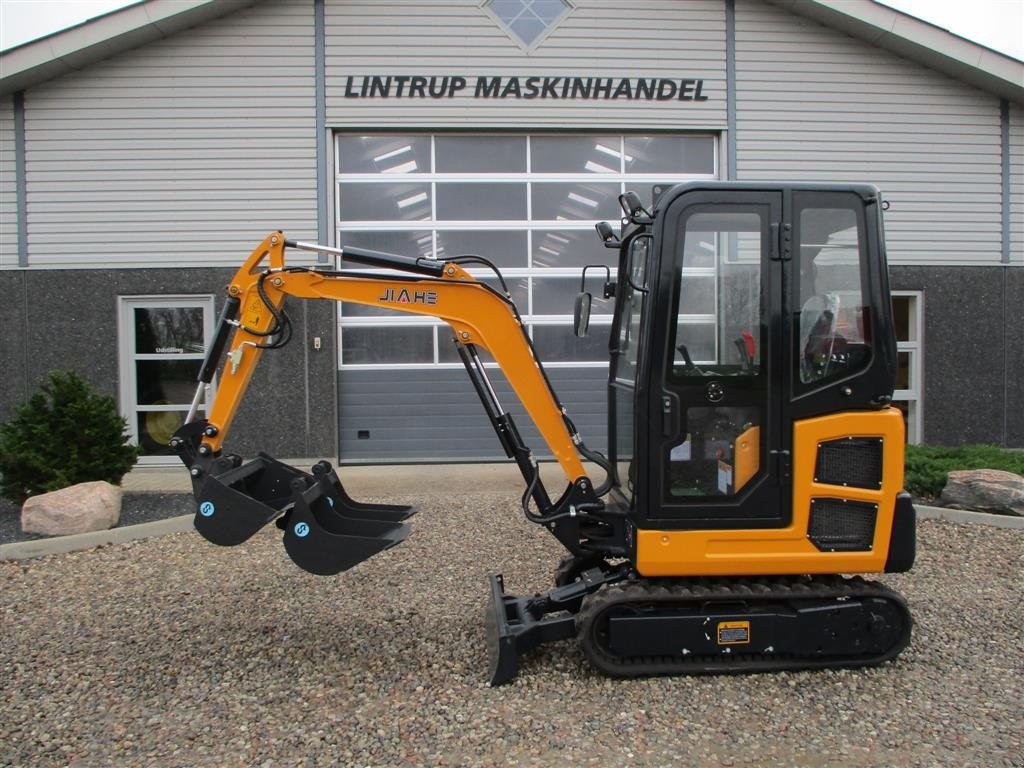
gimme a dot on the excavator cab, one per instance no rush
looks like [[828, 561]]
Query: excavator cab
[[754, 454], [749, 319]]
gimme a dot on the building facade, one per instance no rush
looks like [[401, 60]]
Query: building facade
[[144, 154]]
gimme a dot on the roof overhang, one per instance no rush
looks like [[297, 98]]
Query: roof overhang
[[103, 37], [918, 41], [150, 20]]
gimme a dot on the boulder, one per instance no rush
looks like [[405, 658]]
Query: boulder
[[80, 508], [984, 490]]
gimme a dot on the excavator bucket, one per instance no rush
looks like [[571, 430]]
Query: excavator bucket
[[234, 505], [325, 530]]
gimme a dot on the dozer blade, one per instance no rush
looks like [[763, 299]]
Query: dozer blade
[[235, 504], [512, 629], [323, 537]]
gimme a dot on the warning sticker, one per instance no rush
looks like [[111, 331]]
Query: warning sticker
[[733, 632]]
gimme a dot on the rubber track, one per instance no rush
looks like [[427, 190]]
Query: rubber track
[[792, 590]]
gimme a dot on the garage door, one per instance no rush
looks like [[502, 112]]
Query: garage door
[[529, 204]]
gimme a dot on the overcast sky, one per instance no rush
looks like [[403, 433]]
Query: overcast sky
[[998, 24]]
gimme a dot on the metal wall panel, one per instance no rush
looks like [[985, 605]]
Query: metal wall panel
[[814, 104], [183, 152], [8, 206], [435, 415], [672, 40], [1017, 185]]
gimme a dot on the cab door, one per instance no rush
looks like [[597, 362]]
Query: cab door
[[715, 443]]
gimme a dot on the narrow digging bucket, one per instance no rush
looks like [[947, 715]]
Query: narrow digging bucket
[[324, 537]]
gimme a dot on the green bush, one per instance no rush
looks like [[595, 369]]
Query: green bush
[[927, 465], [64, 434]]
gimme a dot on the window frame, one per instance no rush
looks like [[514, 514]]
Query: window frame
[[913, 395], [128, 357]]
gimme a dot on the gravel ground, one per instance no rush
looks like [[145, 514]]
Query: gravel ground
[[173, 652], [135, 508]]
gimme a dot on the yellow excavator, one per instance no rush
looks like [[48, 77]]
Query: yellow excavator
[[754, 454]]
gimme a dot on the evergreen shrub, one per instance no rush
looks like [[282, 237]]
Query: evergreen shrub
[[64, 434]]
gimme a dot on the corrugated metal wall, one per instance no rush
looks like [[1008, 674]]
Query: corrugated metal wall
[[8, 207], [814, 104], [431, 415], [658, 38], [177, 152]]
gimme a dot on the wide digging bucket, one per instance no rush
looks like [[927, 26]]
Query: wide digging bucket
[[233, 505], [325, 530]]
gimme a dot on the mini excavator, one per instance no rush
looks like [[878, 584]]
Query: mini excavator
[[755, 458]]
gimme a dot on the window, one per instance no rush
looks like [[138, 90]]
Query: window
[[907, 311], [163, 340], [719, 296], [716, 346], [833, 340], [526, 202], [527, 21]]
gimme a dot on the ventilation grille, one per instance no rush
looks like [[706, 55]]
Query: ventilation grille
[[853, 461], [838, 525]]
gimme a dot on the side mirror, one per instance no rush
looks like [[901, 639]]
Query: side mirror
[[581, 314], [607, 234], [634, 208]]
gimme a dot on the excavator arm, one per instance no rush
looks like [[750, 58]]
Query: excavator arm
[[325, 530], [478, 315]]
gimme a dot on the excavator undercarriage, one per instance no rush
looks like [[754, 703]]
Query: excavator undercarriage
[[742, 479]]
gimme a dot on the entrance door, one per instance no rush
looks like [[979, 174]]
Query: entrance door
[[715, 462], [163, 341]]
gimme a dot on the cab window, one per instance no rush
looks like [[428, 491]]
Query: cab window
[[833, 334]]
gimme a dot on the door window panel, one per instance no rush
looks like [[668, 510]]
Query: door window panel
[[569, 248], [576, 154], [415, 243], [163, 382], [480, 154], [585, 201], [716, 357], [506, 249], [558, 343], [663, 154], [718, 320], [481, 202], [383, 154], [384, 202], [387, 344], [168, 330], [833, 334]]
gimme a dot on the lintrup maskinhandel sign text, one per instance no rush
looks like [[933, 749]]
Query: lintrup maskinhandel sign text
[[516, 87]]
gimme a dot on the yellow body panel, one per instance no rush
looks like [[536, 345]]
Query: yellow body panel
[[778, 551], [747, 457]]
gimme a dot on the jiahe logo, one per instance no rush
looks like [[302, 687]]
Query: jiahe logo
[[404, 296]]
